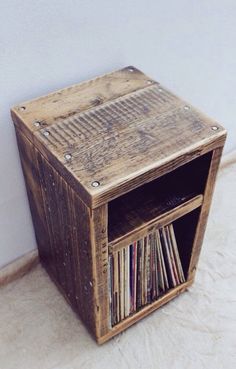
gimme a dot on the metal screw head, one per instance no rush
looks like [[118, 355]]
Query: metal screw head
[[37, 123], [46, 133], [214, 128], [186, 107], [68, 157], [95, 184]]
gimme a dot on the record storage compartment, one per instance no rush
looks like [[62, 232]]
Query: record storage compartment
[[119, 174], [175, 197]]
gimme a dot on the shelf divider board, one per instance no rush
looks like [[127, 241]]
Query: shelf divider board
[[201, 227], [145, 311], [159, 221]]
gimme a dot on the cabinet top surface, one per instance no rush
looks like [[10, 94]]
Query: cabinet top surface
[[109, 132]]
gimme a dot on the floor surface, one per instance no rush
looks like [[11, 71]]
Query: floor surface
[[38, 330]]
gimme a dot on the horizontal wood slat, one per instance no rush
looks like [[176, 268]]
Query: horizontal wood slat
[[160, 221]]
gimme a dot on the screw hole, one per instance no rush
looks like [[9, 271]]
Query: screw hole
[[95, 184], [46, 133], [22, 108], [68, 157]]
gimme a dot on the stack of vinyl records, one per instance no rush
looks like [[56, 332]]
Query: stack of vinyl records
[[143, 271]]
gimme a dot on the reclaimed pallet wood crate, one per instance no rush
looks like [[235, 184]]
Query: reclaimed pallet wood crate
[[104, 162]]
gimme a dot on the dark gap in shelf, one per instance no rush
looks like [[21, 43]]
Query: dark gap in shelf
[[185, 229], [146, 202]]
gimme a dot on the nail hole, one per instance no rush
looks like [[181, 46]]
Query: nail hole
[[37, 123], [22, 108]]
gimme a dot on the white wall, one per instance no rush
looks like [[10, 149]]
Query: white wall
[[187, 45]]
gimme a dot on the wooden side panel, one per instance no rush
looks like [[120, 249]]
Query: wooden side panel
[[33, 187], [100, 248], [72, 240], [201, 227]]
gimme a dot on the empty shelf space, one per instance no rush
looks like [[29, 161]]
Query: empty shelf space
[[162, 219], [140, 206]]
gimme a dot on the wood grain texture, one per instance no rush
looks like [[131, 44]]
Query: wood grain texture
[[132, 319], [126, 140], [164, 218], [208, 193], [155, 158], [98, 225], [64, 229], [147, 202]]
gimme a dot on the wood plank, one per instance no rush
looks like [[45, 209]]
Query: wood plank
[[160, 221], [201, 227], [66, 102], [145, 311], [63, 234], [127, 140], [145, 203], [71, 242], [98, 229]]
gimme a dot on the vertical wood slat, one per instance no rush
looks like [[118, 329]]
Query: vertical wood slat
[[202, 222], [99, 220]]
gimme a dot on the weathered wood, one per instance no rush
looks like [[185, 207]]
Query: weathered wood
[[208, 193], [155, 160], [34, 190], [174, 292], [63, 232], [98, 229], [131, 138], [160, 221], [145, 203]]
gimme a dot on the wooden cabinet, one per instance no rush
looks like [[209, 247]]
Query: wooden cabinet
[[106, 161]]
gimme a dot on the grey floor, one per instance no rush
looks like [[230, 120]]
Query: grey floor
[[38, 330]]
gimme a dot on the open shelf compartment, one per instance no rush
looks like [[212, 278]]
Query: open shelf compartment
[[141, 206]]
